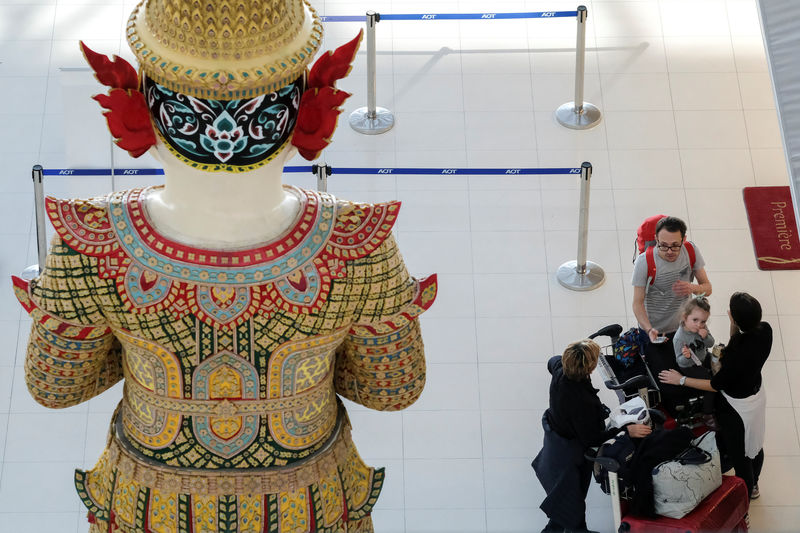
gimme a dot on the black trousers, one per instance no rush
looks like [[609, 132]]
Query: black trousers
[[701, 372], [730, 440], [749, 469], [585, 474], [565, 476]]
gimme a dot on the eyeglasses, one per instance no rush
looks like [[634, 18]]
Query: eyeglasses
[[673, 248]]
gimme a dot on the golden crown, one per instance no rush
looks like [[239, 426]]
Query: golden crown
[[224, 49]]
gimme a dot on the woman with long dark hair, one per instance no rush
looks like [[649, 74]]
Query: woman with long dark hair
[[741, 408]]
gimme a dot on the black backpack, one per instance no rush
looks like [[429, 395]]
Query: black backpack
[[620, 447]]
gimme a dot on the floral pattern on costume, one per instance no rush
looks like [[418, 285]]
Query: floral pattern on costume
[[224, 135]]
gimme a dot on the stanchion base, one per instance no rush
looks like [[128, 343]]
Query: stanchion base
[[589, 117], [569, 277], [362, 122], [30, 272]]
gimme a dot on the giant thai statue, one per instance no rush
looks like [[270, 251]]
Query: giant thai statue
[[236, 309]]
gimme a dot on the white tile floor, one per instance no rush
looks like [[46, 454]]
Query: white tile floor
[[688, 121]]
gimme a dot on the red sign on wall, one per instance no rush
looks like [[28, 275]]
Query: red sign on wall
[[773, 227]]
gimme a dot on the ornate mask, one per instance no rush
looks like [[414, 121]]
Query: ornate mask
[[224, 92], [224, 135]]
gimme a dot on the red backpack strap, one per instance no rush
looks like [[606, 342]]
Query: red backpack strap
[[651, 260], [692, 255], [651, 265]]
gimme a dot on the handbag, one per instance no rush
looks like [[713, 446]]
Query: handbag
[[680, 484]]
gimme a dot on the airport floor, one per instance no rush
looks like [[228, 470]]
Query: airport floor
[[688, 121]]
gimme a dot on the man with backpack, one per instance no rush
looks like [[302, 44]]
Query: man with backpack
[[667, 271]]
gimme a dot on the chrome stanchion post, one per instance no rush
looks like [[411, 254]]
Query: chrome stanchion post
[[41, 236], [372, 63], [579, 115], [371, 120], [582, 275], [322, 172]]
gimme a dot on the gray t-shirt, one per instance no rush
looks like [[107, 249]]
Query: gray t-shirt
[[697, 344], [660, 302]]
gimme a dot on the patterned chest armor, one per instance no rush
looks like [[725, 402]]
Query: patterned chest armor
[[232, 362]]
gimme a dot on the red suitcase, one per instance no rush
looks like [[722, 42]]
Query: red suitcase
[[724, 510]]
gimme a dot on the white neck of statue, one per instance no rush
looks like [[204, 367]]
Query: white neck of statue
[[221, 210]]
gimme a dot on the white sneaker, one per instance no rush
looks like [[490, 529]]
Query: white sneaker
[[755, 494]]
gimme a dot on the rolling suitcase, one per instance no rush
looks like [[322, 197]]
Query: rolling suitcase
[[725, 509]]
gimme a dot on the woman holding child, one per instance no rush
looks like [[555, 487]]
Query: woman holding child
[[741, 408]]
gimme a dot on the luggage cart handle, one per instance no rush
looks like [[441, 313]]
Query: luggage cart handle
[[610, 464], [613, 331], [635, 381]]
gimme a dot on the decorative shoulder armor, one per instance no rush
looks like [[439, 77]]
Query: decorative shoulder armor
[[153, 273], [361, 228], [83, 225]]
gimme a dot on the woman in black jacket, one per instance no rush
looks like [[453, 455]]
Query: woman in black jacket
[[574, 422]]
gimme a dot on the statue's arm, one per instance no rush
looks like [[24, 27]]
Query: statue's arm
[[72, 355], [381, 363]]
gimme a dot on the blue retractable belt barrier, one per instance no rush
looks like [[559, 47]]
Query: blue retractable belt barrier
[[480, 16], [456, 171], [343, 18], [334, 170], [129, 171], [454, 16], [102, 172]]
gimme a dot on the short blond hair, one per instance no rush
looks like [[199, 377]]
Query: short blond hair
[[580, 359]]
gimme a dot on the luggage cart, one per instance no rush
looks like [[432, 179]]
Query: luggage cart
[[725, 510]]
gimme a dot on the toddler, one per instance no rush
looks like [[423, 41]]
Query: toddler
[[691, 342]]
